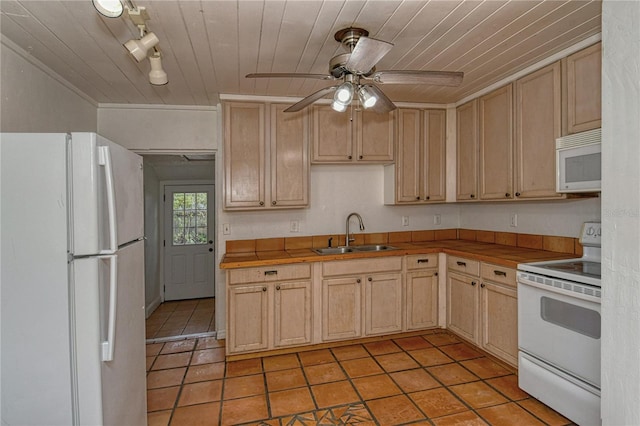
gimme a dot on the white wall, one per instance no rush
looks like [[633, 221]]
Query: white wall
[[152, 243], [36, 99], [621, 213], [563, 218]]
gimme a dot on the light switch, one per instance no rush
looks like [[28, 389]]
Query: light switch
[[226, 229]]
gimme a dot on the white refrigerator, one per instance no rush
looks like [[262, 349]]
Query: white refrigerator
[[72, 281]]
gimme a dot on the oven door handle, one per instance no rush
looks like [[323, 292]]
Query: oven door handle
[[558, 290]]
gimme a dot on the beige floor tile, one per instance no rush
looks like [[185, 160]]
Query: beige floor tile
[[336, 393], [209, 343], [178, 346], [478, 394], [171, 361], [197, 415], [243, 386], [437, 402], [373, 387], [324, 373], [285, 379], [244, 410], [165, 378], [290, 401], [199, 373], [394, 410], [361, 367], [208, 356], [452, 374]]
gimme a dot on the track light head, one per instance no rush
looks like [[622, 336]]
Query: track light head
[[157, 75], [367, 99], [139, 48], [109, 8]]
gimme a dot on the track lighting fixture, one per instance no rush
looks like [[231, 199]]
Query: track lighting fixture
[[367, 99], [343, 96], [157, 75], [139, 48], [109, 8]]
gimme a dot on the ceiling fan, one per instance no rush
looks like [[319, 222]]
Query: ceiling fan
[[358, 66]]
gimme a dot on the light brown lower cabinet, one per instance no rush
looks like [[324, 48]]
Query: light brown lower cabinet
[[341, 308], [383, 304], [268, 308], [482, 306], [421, 283]]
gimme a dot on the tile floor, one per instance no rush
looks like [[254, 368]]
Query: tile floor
[[430, 379], [181, 318]]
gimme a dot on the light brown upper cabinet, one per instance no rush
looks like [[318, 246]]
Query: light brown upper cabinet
[[352, 136], [583, 109], [419, 173], [266, 156], [467, 151], [495, 112], [538, 114]]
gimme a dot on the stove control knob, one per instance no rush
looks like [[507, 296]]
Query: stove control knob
[[590, 231]]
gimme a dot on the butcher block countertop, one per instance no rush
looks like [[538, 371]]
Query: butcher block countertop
[[499, 254]]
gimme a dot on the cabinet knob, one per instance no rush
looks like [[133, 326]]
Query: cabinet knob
[[473, 283], [473, 196], [428, 198], [369, 279], [273, 203], [277, 287], [262, 203], [349, 157], [517, 194], [264, 289], [435, 274], [482, 285], [358, 280], [360, 157], [507, 195], [417, 198]]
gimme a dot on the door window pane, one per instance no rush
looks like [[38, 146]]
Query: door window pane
[[189, 218]]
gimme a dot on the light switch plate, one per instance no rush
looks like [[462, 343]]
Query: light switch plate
[[226, 229], [294, 226]]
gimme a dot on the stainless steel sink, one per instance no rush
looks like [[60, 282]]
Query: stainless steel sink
[[352, 249], [334, 250], [373, 247]]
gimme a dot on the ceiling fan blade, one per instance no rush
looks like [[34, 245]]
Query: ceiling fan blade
[[437, 78], [290, 75], [366, 54], [311, 99], [383, 104]]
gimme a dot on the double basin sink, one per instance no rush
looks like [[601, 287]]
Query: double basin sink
[[353, 249]]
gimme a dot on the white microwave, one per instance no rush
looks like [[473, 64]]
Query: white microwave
[[578, 162]]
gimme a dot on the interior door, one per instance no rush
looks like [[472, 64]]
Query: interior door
[[189, 252]]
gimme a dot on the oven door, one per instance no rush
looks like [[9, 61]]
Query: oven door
[[560, 326]]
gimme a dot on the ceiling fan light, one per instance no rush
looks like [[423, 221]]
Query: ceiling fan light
[[108, 8], [367, 99], [339, 106], [139, 48], [344, 94], [157, 75]]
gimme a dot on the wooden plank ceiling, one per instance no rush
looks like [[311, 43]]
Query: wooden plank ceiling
[[209, 46]]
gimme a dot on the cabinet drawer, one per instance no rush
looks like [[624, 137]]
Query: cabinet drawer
[[422, 261], [466, 266], [498, 274], [269, 273], [361, 266]]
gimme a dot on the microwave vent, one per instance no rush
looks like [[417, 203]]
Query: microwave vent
[[579, 139]]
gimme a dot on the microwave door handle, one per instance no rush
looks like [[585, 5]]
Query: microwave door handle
[[104, 160]]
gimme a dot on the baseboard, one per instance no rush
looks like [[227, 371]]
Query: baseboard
[[152, 306], [221, 334]]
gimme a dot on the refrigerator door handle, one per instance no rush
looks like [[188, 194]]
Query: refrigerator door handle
[[109, 344], [104, 160]]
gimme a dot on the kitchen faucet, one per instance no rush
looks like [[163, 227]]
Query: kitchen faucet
[[347, 239]]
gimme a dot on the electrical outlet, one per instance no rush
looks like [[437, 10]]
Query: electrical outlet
[[437, 220], [405, 220], [294, 226], [226, 229], [514, 220]]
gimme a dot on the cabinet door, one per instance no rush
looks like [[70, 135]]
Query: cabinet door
[[538, 111], [467, 151], [462, 305], [383, 304], [409, 161], [496, 144], [500, 321], [332, 135], [433, 168], [375, 136], [292, 313], [289, 157], [422, 299], [244, 154], [247, 318], [584, 92], [341, 308]]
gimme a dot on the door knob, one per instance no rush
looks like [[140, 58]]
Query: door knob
[[210, 249], [210, 241]]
